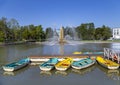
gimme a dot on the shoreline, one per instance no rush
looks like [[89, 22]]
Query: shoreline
[[23, 42], [100, 41]]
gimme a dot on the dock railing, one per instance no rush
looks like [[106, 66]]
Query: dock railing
[[113, 54]]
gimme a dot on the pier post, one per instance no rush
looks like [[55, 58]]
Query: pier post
[[113, 54]]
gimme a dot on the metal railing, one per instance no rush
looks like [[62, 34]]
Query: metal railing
[[113, 54]]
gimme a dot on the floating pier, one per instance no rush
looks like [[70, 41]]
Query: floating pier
[[113, 54], [60, 57]]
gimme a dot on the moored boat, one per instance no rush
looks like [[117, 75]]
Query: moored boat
[[98, 52], [64, 64], [77, 52], [107, 63], [48, 65], [16, 65], [83, 63], [88, 52]]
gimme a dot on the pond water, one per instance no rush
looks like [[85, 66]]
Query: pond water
[[32, 75]]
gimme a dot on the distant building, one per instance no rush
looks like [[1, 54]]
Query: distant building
[[116, 33]]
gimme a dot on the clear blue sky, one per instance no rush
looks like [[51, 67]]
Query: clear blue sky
[[56, 13]]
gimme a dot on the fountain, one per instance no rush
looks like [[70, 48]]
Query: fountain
[[61, 36], [64, 36]]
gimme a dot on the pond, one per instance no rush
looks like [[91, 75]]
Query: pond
[[30, 75]]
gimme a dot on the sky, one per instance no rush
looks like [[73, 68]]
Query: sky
[[57, 13]]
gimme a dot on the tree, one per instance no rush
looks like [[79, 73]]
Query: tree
[[49, 32], [40, 35], [13, 25], [103, 33], [1, 36], [82, 31], [91, 31], [25, 33], [32, 34], [3, 28], [106, 32], [98, 34]]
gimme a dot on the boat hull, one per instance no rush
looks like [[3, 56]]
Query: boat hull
[[82, 67], [46, 69], [107, 63], [48, 65], [64, 65], [61, 68], [109, 67], [5, 68]]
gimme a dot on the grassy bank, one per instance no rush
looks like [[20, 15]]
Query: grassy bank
[[13, 43], [100, 41], [81, 41]]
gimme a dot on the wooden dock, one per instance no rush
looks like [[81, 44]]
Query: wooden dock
[[60, 57]]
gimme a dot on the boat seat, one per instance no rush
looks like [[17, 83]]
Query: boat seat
[[65, 64], [12, 65], [86, 62], [18, 63], [83, 63], [80, 64]]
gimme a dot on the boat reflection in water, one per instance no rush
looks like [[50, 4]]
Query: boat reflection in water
[[53, 72], [17, 72], [46, 73], [66, 73], [112, 74], [62, 73], [83, 71], [9, 73]]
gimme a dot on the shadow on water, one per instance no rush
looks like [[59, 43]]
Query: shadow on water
[[67, 72], [112, 74], [84, 71], [47, 73], [55, 72]]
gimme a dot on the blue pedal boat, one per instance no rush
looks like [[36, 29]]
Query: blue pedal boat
[[48, 65], [16, 65], [83, 63]]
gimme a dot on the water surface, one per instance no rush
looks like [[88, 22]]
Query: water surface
[[32, 75]]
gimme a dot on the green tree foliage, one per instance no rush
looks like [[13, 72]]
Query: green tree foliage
[[40, 35], [25, 33], [3, 28], [91, 31], [32, 32], [1, 36], [13, 25], [49, 32], [86, 31], [103, 33], [10, 31]]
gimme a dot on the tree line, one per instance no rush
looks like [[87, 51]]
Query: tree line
[[88, 31], [11, 31]]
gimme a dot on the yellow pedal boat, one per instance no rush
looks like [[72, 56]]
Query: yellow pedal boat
[[77, 52], [107, 63], [64, 64]]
